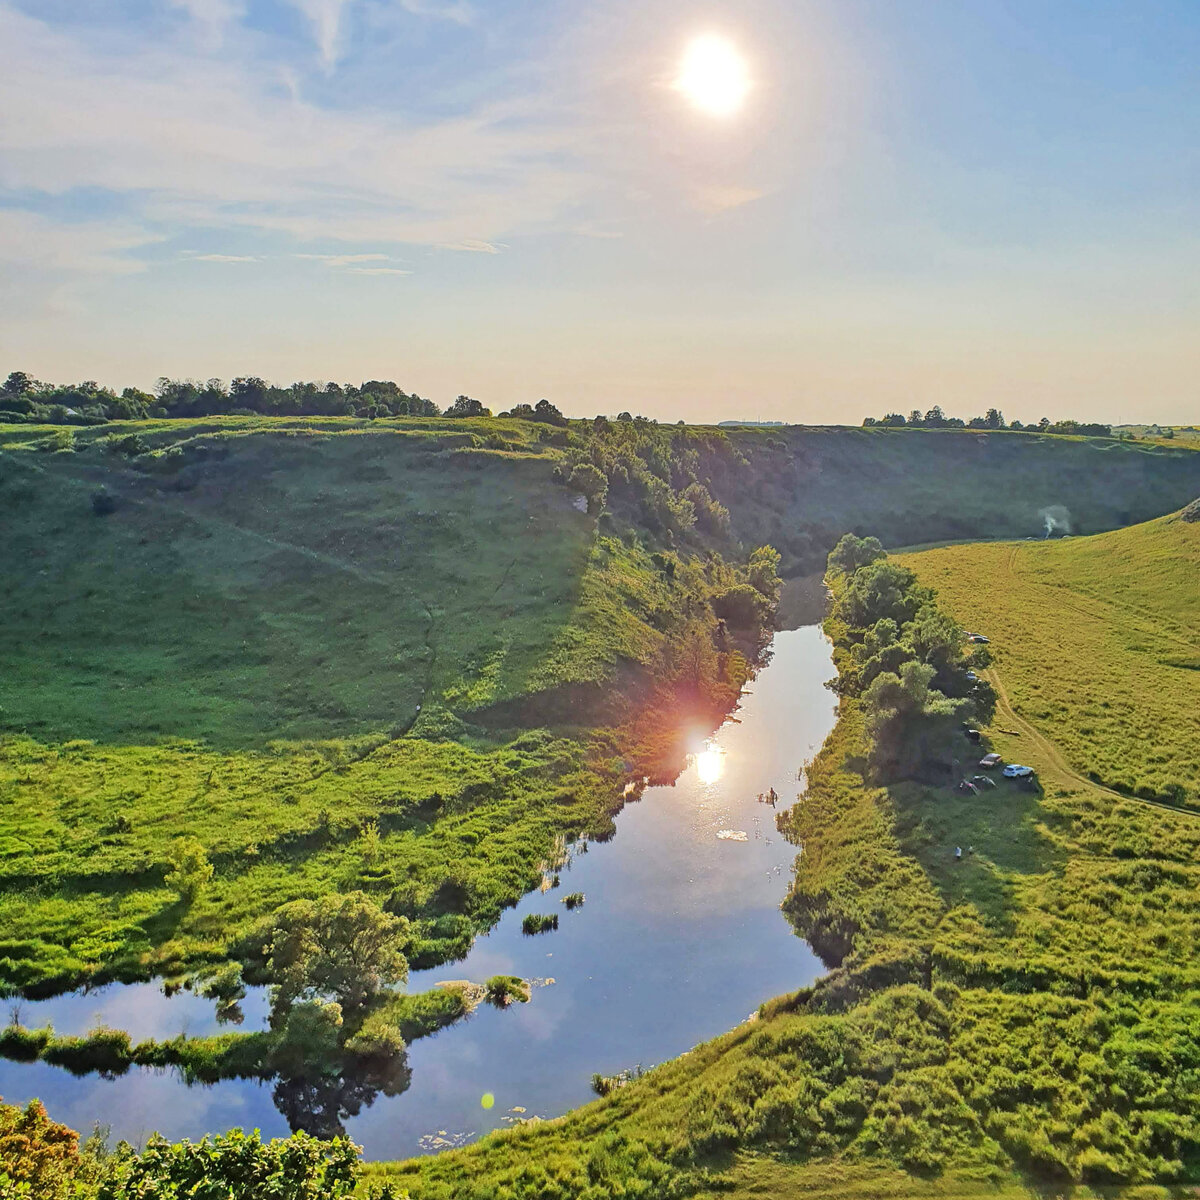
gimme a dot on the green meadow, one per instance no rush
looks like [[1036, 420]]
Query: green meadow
[[1097, 644]]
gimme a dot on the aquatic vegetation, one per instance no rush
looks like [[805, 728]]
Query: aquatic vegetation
[[502, 990], [574, 900], [539, 923]]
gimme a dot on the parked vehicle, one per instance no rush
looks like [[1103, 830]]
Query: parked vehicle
[[1017, 771], [972, 677], [989, 761], [979, 639], [973, 735], [985, 780]]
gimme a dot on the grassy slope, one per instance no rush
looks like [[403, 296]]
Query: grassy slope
[[1097, 643], [300, 587], [230, 655], [1059, 1038], [807, 487]]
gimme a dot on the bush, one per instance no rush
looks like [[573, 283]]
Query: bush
[[103, 503], [502, 990], [105, 1050], [190, 869], [240, 1166]]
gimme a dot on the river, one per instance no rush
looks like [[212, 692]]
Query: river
[[680, 938]]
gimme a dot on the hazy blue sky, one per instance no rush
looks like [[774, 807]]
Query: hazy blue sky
[[964, 202]]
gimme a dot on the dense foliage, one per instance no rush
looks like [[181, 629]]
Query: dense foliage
[[904, 656], [992, 419]]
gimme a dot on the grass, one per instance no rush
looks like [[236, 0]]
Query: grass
[[318, 647], [239, 650], [1096, 644], [1024, 1019]]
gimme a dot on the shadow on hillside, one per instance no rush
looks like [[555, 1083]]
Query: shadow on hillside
[[998, 831]]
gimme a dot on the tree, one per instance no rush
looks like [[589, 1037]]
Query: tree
[[993, 419], [40, 1158], [464, 406], [190, 869], [935, 418], [741, 606], [936, 639], [911, 728], [19, 384], [763, 572], [589, 481], [543, 410], [340, 946], [853, 552], [882, 589]]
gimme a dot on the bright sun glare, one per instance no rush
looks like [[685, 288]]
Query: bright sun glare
[[710, 762], [713, 76]]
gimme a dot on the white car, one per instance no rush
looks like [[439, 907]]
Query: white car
[[1016, 771]]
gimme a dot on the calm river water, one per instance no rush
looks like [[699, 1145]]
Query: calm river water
[[680, 939]]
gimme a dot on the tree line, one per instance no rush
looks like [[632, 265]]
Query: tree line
[[904, 656], [934, 418], [24, 399]]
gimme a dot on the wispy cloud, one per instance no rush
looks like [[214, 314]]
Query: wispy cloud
[[377, 271], [31, 242], [223, 258], [336, 261], [718, 198], [325, 17], [474, 246], [213, 141]]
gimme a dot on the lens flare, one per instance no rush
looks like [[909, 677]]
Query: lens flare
[[710, 765], [713, 76]]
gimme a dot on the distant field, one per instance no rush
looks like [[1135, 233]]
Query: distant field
[[1097, 642]]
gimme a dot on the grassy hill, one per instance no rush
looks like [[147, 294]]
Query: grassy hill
[[1097, 644], [277, 638], [806, 487]]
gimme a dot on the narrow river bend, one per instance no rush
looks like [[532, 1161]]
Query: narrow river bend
[[680, 939]]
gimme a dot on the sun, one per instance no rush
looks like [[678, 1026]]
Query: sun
[[713, 76]]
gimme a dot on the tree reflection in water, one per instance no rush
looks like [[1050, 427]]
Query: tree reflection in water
[[320, 1101]]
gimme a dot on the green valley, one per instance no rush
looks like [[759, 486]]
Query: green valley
[[259, 676]]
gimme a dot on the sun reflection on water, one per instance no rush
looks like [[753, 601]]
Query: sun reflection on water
[[710, 765]]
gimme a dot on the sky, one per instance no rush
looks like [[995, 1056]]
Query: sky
[[970, 203]]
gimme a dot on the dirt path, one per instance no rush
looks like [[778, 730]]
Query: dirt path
[[1055, 757]]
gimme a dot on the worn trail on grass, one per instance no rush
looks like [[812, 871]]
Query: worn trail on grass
[[1056, 758]]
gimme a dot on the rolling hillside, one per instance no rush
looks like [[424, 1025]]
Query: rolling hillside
[[1097, 643]]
